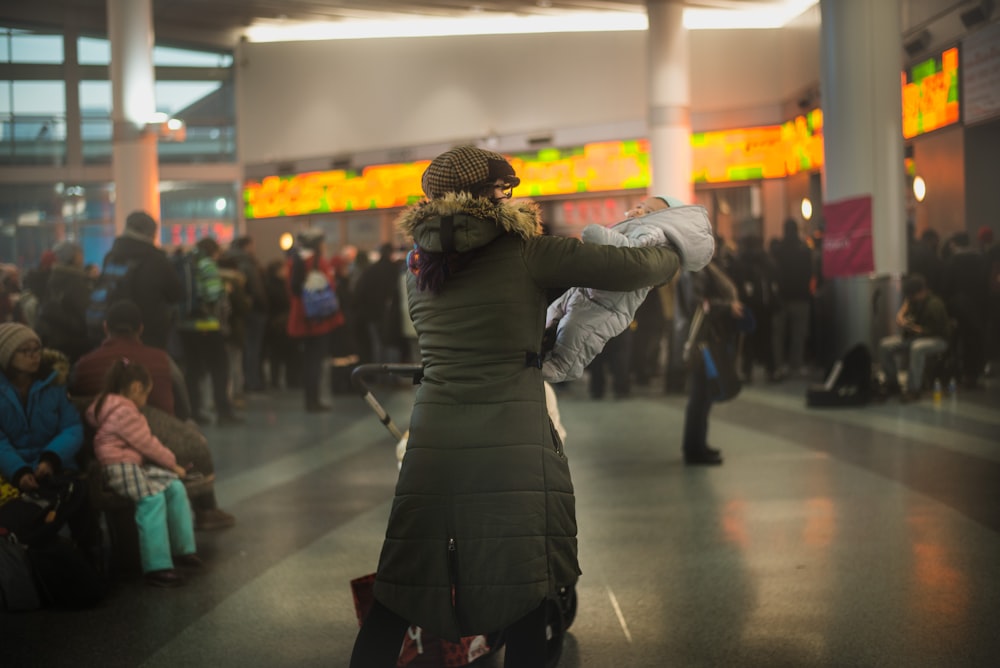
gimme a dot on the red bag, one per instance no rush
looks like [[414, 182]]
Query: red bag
[[421, 649]]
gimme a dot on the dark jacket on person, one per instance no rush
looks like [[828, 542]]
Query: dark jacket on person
[[61, 322], [250, 268], [46, 426], [793, 264], [87, 375], [932, 317], [483, 528], [153, 285]]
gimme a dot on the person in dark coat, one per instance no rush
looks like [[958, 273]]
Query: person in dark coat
[[712, 291], [754, 276], [62, 316], [278, 349], [793, 264], [482, 530], [966, 297], [375, 295], [153, 284], [244, 253]]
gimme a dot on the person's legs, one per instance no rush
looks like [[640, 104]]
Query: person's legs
[[154, 538], [919, 349], [525, 641], [313, 354], [596, 380], [214, 347], [798, 316], [619, 351], [182, 402], [380, 639], [779, 339], [887, 349], [252, 353], [179, 523], [193, 370], [696, 415]]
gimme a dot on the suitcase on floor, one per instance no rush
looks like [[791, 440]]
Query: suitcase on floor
[[849, 382]]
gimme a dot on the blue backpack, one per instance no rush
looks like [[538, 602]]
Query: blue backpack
[[113, 285]]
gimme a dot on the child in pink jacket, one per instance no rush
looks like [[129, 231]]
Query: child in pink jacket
[[137, 465]]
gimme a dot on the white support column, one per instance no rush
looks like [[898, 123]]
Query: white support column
[[134, 163], [860, 65], [669, 93]]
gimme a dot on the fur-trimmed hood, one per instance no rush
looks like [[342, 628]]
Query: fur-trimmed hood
[[476, 221], [54, 361]]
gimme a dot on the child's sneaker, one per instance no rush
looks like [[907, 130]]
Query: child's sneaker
[[165, 578], [188, 561]]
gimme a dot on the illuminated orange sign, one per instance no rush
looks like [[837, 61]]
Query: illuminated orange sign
[[930, 94], [766, 152], [733, 155]]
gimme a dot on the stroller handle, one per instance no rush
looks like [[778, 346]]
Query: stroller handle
[[363, 373]]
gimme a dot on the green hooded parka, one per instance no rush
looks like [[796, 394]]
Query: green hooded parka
[[483, 527]]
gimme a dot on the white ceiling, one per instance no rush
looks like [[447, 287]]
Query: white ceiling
[[221, 22]]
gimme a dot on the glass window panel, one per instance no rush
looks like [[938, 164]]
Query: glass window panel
[[30, 48], [93, 51], [4, 45], [39, 97], [166, 55], [95, 98], [174, 96], [5, 97]]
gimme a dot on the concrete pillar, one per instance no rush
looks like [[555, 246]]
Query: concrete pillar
[[860, 65], [134, 164], [669, 93]]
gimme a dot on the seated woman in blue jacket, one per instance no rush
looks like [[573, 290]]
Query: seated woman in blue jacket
[[40, 430]]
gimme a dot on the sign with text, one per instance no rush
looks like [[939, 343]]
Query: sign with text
[[847, 242], [930, 94], [981, 74]]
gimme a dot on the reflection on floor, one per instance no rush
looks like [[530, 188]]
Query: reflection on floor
[[830, 537]]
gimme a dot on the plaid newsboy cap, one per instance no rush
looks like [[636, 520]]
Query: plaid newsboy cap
[[464, 167]]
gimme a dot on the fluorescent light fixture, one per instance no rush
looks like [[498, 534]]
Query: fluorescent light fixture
[[759, 16], [753, 17], [477, 24]]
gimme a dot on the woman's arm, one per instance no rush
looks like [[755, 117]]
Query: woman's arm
[[559, 262]]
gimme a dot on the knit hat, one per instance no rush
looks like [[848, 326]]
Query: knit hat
[[464, 167], [65, 252], [124, 316], [672, 202], [12, 336], [311, 237], [141, 224]]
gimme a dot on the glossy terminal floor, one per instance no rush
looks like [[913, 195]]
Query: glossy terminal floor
[[857, 537]]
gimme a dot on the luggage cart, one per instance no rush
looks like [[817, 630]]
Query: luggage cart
[[560, 613]]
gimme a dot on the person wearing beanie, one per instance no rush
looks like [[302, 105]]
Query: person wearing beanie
[[61, 320], [40, 430], [309, 269], [150, 280], [481, 446]]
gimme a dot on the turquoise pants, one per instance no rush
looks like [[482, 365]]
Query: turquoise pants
[[165, 527]]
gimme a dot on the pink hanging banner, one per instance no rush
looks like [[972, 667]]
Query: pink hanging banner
[[847, 241]]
